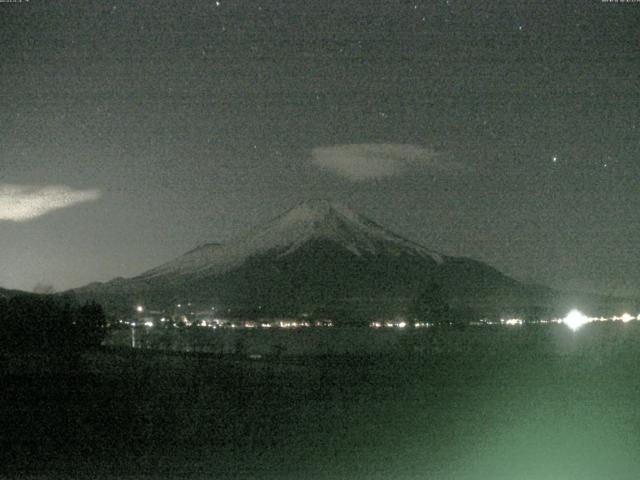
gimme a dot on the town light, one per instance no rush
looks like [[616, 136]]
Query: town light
[[626, 317], [139, 309], [575, 319]]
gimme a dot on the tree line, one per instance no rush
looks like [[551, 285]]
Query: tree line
[[49, 324]]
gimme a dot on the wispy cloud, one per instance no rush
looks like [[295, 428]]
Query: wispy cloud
[[20, 203], [370, 161]]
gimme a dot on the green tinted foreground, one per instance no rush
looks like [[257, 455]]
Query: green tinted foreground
[[561, 405]]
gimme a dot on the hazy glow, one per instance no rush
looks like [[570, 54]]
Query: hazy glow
[[575, 319], [626, 317], [372, 161], [20, 203]]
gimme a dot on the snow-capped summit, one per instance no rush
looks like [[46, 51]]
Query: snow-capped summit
[[314, 220], [319, 254], [321, 219]]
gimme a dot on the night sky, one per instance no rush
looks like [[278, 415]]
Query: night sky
[[509, 132]]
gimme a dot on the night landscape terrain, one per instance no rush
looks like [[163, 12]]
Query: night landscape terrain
[[494, 404], [250, 239]]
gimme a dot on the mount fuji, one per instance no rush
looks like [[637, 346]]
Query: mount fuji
[[312, 221], [320, 257]]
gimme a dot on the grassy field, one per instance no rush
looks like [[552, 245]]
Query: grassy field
[[519, 403]]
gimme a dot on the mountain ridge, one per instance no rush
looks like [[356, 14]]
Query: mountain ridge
[[316, 255], [286, 232]]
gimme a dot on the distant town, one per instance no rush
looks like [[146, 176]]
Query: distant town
[[185, 316]]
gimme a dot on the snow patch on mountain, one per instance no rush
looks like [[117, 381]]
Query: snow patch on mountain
[[311, 220]]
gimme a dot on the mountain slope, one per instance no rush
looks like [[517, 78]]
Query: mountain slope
[[309, 221], [318, 255]]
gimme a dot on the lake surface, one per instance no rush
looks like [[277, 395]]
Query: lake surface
[[523, 403]]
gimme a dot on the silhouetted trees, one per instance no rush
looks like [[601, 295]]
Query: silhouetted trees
[[38, 323], [44, 288], [90, 323], [431, 305]]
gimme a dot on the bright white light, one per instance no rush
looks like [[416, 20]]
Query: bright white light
[[513, 321], [140, 309], [402, 324], [575, 319], [148, 324], [626, 317]]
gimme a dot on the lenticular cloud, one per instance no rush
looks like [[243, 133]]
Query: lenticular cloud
[[20, 203], [373, 161]]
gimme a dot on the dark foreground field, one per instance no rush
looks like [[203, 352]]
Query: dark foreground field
[[520, 403]]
